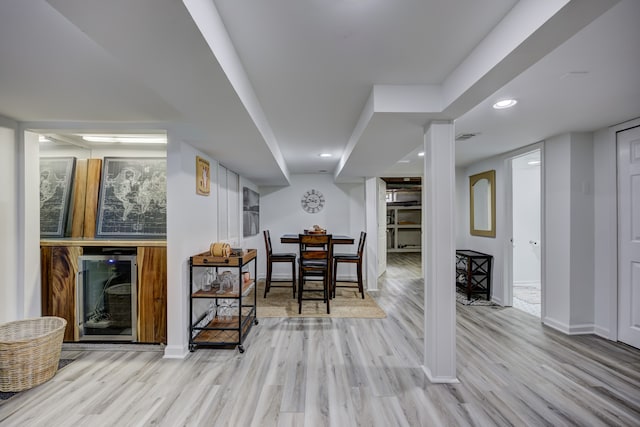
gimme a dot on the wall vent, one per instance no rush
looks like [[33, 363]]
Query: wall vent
[[465, 136]]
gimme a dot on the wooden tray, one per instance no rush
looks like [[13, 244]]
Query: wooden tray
[[205, 258]]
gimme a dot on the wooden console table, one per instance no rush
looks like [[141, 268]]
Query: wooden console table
[[473, 272]]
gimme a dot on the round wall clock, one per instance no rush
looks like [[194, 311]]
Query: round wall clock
[[312, 201]]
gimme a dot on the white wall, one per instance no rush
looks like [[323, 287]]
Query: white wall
[[488, 245], [9, 307], [557, 228], [281, 213], [462, 208], [569, 233], [257, 240], [526, 221], [29, 224], [191, 228], [605, 272], [582, 233]]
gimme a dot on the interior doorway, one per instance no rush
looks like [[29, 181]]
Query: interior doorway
[[526, 232], [403, 214]]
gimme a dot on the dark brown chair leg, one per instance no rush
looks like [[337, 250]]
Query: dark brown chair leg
[[300, 286], [267, 284], [360, 286], [327, 290], [293, 277], [334, 279]]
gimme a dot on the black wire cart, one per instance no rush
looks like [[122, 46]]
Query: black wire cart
[[222, 306]]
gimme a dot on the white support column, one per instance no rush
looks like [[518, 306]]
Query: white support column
[[439, 241], [371, 247]]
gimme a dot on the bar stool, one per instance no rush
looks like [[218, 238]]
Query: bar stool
[[278, 257], [352, 259]]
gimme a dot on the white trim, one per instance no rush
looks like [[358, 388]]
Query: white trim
[[175, 352], [507, 273], [580, 329], [555, 324], [439, 380], [601, 332]]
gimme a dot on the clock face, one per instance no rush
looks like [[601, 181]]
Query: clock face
[[312, 201]]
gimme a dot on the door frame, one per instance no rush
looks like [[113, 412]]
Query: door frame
[[507, 247], [615, 291]]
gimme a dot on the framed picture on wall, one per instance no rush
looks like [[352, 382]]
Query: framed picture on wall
[[56, 180], [203, 176], [250, 212], [133, 198]]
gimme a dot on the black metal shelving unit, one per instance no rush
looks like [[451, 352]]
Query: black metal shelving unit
[[211, 328], [473, 272]]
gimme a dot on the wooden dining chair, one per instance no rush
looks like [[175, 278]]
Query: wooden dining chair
[[278, 257], [349, 259], [314, 263]]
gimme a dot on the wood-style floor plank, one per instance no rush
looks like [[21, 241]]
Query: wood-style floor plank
[[351, 372]]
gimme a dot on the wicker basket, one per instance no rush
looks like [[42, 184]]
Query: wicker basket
[[29, 352]]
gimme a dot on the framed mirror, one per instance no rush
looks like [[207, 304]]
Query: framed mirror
[[482, 189]]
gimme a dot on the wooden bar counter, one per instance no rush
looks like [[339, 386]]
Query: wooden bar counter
[[59, 266]]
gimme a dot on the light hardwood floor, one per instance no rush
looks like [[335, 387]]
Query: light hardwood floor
[[351, 372]]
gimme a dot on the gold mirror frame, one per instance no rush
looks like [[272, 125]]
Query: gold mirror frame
[[490, 203]]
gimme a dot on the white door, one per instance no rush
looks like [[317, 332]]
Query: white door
[[629, 236], [382, 226], [526, 236]]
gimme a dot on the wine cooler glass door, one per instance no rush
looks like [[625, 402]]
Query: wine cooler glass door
[[106, 292]]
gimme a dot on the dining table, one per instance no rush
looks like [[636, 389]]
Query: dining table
[[336, 239]]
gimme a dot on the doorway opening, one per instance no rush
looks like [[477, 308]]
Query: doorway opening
[[403, 214], [526, 232]]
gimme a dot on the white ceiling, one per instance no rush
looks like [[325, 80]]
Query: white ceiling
[[266, 86]]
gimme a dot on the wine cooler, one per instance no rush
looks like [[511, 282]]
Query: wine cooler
[[106, 294]]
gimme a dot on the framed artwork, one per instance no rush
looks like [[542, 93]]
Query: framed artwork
[[250, 212], [133, 198], [203, 176], [56, 180]]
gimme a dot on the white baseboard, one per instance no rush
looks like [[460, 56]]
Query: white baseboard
[[439, 380], [497, 301], [579, 329], [124, 346], [175, 352], [602, 332]]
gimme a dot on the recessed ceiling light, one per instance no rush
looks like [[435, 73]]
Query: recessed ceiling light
[[326, 155], [421, 153], [505, 103]]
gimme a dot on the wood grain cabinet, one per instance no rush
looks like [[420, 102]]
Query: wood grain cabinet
[[59, 266]]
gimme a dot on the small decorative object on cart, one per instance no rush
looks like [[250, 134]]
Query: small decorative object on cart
[[220, 249]]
